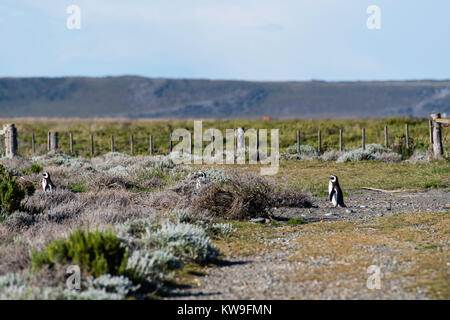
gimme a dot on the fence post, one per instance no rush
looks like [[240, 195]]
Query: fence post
[[11, 145], [386, 137], [438, 149], [170, 142], [364, 138], [298, 141], [132, 144], [92, 145], [190, 143], [112, 144], [53, 141], [71, 142], [151, 145], [407, 135], [33, 143], [431, 131], [48, 141], [341, 146], [319, 141]]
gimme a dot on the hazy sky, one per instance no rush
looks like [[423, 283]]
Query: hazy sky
[[227, 39]]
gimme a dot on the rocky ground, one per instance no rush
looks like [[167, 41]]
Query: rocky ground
[[367, 204], [273, 273]]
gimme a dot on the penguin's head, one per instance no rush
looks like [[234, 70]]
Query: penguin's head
[[333, 178], [45, 175], [201, 175]]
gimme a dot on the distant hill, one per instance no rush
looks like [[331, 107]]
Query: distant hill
[[131, 96]]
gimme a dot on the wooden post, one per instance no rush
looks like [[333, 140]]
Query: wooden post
[[364, 138], [112, 144], [341, 145], [53, 141], [33, 143], [407, 135], [48, 141], [190, 143], [431, 131], [11, 145], [170, 142], [386, 137], [319, 141], [71, 142], [151, 145], [132, 145], [298, 141], [438, 149], [92, 145]]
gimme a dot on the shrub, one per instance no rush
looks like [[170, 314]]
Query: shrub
[[305, 153], [34, 168], [152, 265], [389, 157], [11, 193], [243, 197], [95, 252], [186, 241], [331, 155], [19, 220], [356, 155]]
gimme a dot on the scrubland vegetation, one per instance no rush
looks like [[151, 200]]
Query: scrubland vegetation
[[138, 225]]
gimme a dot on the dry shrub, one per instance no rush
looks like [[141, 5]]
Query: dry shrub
[[245, 197], [19, 221], [242, 197], [165, 200], [14, 257], [41, 201], [106, 181]]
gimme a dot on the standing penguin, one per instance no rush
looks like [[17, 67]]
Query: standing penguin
[[201, 180], [47, 184], [335, 192]]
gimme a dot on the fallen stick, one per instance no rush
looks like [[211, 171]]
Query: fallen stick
[[384, 191]]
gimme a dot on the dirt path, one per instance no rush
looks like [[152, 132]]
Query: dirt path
[[274, 273]]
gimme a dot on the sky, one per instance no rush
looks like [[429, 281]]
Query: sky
[[258, 40]]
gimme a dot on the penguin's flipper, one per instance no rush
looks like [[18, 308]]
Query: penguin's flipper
[[332, 192]]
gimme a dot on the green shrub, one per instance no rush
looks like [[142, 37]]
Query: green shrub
[[77, 187], [95, 252], [11, 193], [34, 168]]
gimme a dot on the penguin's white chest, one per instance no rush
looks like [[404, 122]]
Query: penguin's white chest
[[334, 199], [44, 184], [330, 187]]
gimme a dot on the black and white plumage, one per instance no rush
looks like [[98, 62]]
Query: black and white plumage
[[47, 184], [200, 180], [335, 193], [191, 184]]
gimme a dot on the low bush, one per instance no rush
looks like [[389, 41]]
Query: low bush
[[11, 193], [96, 252], [243, 197], [186, 241], [356, 155]]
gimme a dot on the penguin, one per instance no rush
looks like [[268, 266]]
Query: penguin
[[201, 180], [47, 184], [335, 192]]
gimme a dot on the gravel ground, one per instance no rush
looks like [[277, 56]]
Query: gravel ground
[[271, 274]]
